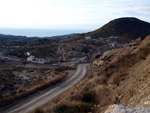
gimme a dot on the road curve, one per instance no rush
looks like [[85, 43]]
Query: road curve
[[48, 95]]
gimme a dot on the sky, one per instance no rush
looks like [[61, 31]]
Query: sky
[[69, 14]]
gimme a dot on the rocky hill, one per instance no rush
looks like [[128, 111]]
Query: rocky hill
[[127, 27]]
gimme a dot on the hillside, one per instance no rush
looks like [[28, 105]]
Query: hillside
[[127, 27], [120, 76]]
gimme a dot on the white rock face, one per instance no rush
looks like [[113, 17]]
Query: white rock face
[[126, 109]]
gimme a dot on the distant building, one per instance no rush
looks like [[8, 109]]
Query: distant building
[[100, 38], [88, 38], [114, 44], [30, 58], [55, 64], [134, 43], [33, 59], [74, 59], [112, 37], [39, 61], [27, 54]]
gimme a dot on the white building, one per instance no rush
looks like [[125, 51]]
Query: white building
[[114, 44], [88, 38], [27, 54], [39, 61], [30, 58], [33, 59], [112, 37], [74, 59]]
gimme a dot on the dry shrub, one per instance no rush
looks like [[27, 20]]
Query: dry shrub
[[143, 52], [75, 96], [103, 95], [132, 58], [38, 110], [90, 82], [101, 80], [87, 88], [132, 92], [89, 85], [116, 78]]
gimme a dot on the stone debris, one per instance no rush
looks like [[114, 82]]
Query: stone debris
[[126, 109]]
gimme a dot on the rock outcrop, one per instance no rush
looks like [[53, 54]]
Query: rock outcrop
[[126, 109]]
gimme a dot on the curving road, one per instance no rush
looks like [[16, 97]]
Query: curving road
[[44, 96]]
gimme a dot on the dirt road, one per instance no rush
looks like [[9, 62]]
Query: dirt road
[[47, 95]]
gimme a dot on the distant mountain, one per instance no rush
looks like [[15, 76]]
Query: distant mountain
[[131, 28], [7, 38], [12, 40], [65, 36]]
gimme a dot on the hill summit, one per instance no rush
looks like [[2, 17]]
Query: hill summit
[[129, 27]]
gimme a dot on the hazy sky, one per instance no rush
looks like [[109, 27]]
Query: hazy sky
[[69, 14]]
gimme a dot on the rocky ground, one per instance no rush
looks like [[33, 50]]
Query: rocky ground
[[126, 109]]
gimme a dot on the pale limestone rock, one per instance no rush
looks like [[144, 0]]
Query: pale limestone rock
[[126, 109]]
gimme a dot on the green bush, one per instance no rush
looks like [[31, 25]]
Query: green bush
[[20, 91], [60, 108], [87, 87], [76, 108], [1, 96], [88, 97], [82, 107], [38, 110]]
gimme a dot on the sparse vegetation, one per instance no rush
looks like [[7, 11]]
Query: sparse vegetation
[[17, 83], [38, 110], [74, 108], [60, 108]]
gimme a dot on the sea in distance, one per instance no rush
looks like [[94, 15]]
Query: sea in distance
[[39, 32]]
